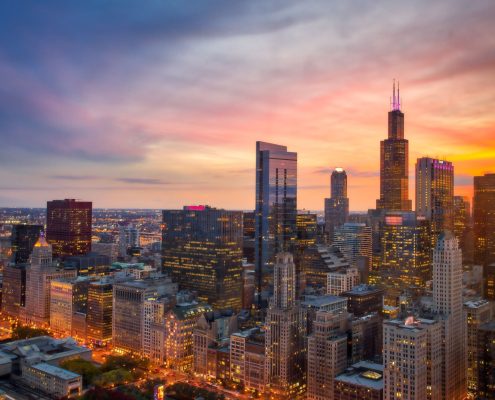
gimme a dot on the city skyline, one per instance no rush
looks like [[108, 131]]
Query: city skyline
[[116, 107]]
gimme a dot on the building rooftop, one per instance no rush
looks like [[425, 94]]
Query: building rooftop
[[320, 301], [363, 289], [476, 303], [55, 371], [364, 373]]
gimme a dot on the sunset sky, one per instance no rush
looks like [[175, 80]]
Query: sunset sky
[[158, 104]]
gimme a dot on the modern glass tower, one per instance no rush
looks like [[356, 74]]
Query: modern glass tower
[[394, 162], [276, 210], [337, 206]]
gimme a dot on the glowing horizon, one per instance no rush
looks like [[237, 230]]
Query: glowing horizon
[[160, 106]]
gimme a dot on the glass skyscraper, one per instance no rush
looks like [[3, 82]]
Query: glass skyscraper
[[276, 210]]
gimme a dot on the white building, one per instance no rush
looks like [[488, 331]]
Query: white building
[[342, 281], [52, 380]]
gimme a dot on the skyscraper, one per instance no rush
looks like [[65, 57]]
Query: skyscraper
[[462, 226], [285, 333], [22, 241], [435, 193], [202, 250], [39, 274], [337, 206], [447, 305], [276, 210], [484, 219], [68, 227], [394, 162], [99, 315], [406, 247]]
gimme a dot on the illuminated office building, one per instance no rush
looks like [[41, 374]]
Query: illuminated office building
[[448, 309], [462, 227], [435, 193], [13, 290], [68, 297], [202, 251], [477, 313], [354, 241], [484, 219], [394, 163], [285, 333], [275, 212], [99, 312], [486, 360], [68, 227], [406, 245], [337, 206], [22, 241], [320, 259]]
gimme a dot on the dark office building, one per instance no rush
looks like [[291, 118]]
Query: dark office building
[[484, 219], [364, 299], [276, 210], [22, 241], [14, 289], [462, 227], [486, 361], [202, 250], [249, 236], [394, 163], [68, 227], [337, 206], [89, 264]]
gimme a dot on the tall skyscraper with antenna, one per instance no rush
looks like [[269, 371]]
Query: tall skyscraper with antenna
[[394, 162]]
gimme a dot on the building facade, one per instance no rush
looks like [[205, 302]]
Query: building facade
[[22, 241], [275, 211], [68, 226], [394, 163], [354, 241], [484, 219], [337, 206], [202, 251]]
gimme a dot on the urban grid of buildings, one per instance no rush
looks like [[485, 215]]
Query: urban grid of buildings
[[281, 303]]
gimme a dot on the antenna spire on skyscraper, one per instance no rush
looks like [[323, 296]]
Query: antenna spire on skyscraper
[[396, 98]]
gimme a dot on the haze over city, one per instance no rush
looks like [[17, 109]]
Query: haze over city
[[161, 106]]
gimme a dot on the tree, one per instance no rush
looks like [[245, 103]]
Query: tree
[[85, 368], [114, 377], [26, 332]]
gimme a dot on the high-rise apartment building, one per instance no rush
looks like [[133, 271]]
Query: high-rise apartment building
[[354, 241], [285, 332], [275, 212], [99, 312], [22, 241], [39, 275], [435, 193], [447, 305], [477, 313], [327, 355], [406, 247], [394, 162], [202, 251], [337, 206], [68, 227], [484, 219]]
